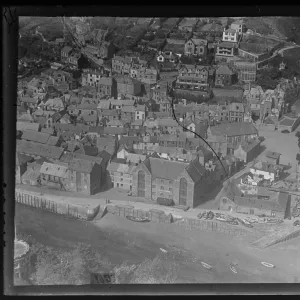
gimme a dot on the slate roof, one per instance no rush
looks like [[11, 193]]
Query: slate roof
[[114, 130], [236, 107], [219, 92], [170, 170], [234, 129], [23, 126], [224, 69], [81, 165], [226, 45], [263, 166], [286, 121], [32, 148], [66, 49], [248, 146], [122, 102], [103, 104], [115, 123], [278, 203], [121, 168], [128, 109], [54, 170], [53, 140], [35, 136], [167, 122], [272, 154], [22, 159], [106, 81]]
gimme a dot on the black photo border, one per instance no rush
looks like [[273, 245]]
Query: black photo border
[[9, 87]]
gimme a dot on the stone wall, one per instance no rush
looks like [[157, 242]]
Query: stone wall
[[73, 211]]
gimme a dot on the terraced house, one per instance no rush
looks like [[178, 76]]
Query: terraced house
[[193, 77], [158, 178]]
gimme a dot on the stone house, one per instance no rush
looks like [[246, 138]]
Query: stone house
[[230, 35], [272, 157], [248, 151], [140, 112], [120, 175], [107, 86], [65, 52], [225, 51], [128, 87], [278, 206], [21, 165], [236, 112], [128, 113], [195, 47], [237, 26], [288, 123], [225, 75], [232, 133], [193, 77], [86, 174], [179, 181]]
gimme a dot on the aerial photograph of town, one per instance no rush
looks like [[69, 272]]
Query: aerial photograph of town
[[157, 150]]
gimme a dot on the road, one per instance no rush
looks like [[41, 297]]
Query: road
[[120, 239]]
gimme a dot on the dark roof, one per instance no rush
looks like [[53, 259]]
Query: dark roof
[[35, 136], [22, 159], [226, 45], [90, 150], [272, 154], [234, 129], [97, 129], [81, 165], [39, 149], [114, 130], [170, 170], [277, 203]]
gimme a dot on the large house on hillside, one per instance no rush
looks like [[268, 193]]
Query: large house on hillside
[[158, 178]]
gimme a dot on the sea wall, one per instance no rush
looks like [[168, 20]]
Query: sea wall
[[74, 211]]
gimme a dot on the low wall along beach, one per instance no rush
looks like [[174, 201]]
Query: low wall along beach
[[154, 215]]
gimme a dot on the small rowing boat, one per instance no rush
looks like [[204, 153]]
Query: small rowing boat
[[221, 219], [233, 269], [205, 265], [136, 219], [163, 250], [268, 265]]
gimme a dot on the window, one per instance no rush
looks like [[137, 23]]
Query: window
[[182, 191], [141, 183], [273, 214]]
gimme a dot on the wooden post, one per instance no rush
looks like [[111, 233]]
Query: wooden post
[[68, 209]]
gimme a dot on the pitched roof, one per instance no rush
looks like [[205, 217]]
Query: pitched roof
[[272, 154], [137, 123], [128, 109], [54, 170], [115, 123], [53, 140], [114, 130], [105, 81], [277, 203], [226, 45], [39, 149], [237, 107], [22, 159], [81, 165], [120, 167], [23, 126], [234, 129], [248, 146], [261, 165], [66, 49], [167, 122], [219, 92], [35, 136], [286, 121], [224, 69], [122, 102]]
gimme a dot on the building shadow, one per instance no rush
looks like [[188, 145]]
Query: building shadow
[[209, 197]]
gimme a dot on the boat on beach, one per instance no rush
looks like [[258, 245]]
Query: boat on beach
[[268, 265], [205, 265], [221, 219], [233, 269], [136, 219], [163, 250]]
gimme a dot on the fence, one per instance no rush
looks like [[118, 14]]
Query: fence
[[52, 206]]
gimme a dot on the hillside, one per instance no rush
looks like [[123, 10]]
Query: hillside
[[281, 27]]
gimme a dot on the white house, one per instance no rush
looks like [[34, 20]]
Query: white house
[[266, 171], [140, 113], [237, 25], [230, 35]]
